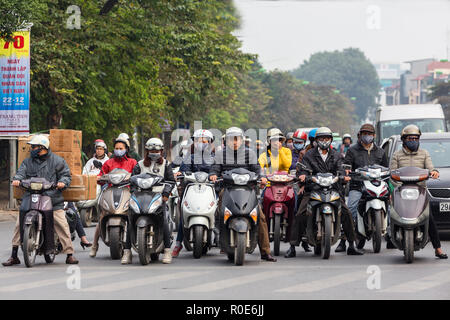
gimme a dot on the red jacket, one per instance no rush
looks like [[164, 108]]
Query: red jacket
[[114, 163]]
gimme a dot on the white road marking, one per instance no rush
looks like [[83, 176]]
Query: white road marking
[[50, 282], [128, 284], [13, 274], [421, 284], [237, 281], [326, 283]]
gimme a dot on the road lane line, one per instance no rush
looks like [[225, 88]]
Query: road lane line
[[12, 274], [229, 283], [421, 284], [325, 283], [128, 284], [51, 282]]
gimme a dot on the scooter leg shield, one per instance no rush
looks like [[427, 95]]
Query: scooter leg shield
[[203, 221], [239, 225]]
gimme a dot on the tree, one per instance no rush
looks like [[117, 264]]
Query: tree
[[349, 71], [16, 15], [441, 93]]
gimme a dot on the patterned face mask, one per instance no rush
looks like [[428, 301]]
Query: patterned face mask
[[119, 153]]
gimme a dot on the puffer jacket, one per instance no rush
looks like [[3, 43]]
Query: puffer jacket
[[404, 158], [281, 162], [51, 167]]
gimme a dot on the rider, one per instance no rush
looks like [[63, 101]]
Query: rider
[[154, 163], [364, 153], [277, 157], [345, 145], [412, 156], [299, 140], [101, 154], [132, 153], [120, 160], [290, 140], [235, 155], [45, 164], [322, 159], [311, 137], [200, 158]]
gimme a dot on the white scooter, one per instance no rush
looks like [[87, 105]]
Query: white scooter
[[372, 208], [174, 198], [199, 205]]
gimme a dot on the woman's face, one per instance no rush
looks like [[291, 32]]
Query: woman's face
[[120, 146]]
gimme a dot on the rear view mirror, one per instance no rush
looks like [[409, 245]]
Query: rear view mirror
[[98, 164]]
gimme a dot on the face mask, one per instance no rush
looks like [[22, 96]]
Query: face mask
[[154, 156], [367, 139], [412, 145], [35, 153], [299, 146], [119, 153], [290, 145], [200, 146], [323, 145]]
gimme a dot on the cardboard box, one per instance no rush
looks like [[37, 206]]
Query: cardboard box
[[62, 140], [73, 160], [92, 187], [74, 194]]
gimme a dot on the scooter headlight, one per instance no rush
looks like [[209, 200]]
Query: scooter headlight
[[36, 186], [409, 194], [240, 179], [117, 178], [155, 205], [145, 183]]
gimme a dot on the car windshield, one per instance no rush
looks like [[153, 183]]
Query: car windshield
[[394, 127], [438, 149]]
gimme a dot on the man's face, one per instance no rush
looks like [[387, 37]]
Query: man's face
[[347, 141], [234, 143], [412, 138], [43, 150], [323, 139], [99, 151]]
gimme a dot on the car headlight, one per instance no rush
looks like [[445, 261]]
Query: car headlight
[[409, 194], [240, 179], [155, 205], [117, 178]]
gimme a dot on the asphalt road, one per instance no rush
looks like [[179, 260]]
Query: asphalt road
[[372, 276]]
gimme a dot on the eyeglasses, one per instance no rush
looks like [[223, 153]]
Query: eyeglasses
[[412, 138]]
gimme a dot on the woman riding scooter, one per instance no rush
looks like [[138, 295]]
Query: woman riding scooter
[[120, 160], [154, 163], [202, 149]]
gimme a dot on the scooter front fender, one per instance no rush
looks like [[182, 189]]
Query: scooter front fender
[[375, 204], [239, 225], [143, 221], [199, 220]]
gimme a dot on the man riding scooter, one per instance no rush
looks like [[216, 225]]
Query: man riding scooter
[[234, 156], [322, 159], [412, 156], [44, 164], [364, 153]]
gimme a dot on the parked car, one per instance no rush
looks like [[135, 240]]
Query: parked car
[[438, 145], [391, 120]]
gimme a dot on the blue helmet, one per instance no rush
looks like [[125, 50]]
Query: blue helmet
[[312, 134]]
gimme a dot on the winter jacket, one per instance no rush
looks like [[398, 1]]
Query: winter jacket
[[197, 161], [281, 162], [229, 159], [404, 158], [167, 175], [125, 163], [51, 167], [89, 167]]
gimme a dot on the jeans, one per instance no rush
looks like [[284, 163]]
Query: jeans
[[353, 200]]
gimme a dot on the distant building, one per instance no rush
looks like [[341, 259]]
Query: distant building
[[410, 88], [389, 75]]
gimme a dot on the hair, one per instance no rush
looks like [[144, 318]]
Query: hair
[[148, 161]]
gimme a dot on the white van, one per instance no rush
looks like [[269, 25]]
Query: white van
[[392, 119]]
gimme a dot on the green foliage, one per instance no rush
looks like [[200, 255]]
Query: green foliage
[[349, 71], [16, 14]]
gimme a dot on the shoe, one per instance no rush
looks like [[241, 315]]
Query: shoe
[[268, 257], [305, 246], [127, 257], [11, 261], [352, 251], [390, 245], [290, 253], [93, 252], [441, 255], [85, 245], [341, 247], [71, 260], [176, 250], [167, 258]]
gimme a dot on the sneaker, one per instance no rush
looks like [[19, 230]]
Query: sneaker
[[127, 257], [167, 258], [176, 250]]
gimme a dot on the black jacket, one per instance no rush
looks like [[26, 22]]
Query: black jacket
[[313, 161], [358, 157], [231, 159], [168, 177]]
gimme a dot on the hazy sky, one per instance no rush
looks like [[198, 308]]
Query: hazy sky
[[284, 33]]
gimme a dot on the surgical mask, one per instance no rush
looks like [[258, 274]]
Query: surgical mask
[[412, 145], [35, 153], [119, 153], [299, 146], [154, 156], [290, 145], [366, 139]]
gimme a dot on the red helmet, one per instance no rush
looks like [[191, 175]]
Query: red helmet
[[299, 135]]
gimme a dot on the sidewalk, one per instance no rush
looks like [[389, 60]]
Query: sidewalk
[[6, 215]]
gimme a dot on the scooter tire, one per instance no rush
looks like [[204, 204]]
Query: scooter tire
[[239, 250], [376, 239], [276, 234], [326, 237], [198, 242], [115, 243], [143, 251], [86, 217], [408, 250], [28, 246]]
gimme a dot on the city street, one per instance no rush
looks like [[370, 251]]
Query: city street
[[213, 277]]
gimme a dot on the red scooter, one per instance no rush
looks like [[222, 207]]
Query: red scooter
[[278, 206]]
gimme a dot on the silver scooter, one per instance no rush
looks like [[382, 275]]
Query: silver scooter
[[410, 213]]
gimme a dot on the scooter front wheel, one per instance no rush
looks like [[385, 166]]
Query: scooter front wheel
[[376, 239], [408, 250], [142, 240], [326, 237], [198, 242], [115, 243], [276, 234], [29, 246], [239, 250], [86, 217]]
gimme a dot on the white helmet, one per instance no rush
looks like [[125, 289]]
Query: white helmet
[[40, 140], [234, 132], [154, 144], [201, 133], [100, 143], [123, 135]]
